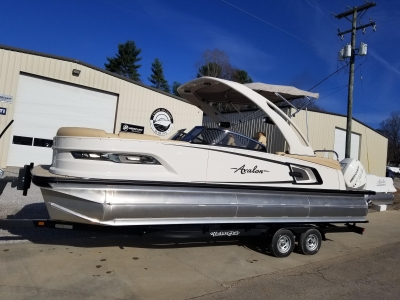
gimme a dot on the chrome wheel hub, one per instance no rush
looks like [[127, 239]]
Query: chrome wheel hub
[[284, 244], [312, 242]]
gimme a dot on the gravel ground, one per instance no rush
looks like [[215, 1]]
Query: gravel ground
[[13, 205], [396, 201]]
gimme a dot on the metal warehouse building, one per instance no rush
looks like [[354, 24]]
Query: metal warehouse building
[[324, 131], [42, 92]]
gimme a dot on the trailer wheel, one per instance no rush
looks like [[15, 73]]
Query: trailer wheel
[[282, 243], [310, 242]]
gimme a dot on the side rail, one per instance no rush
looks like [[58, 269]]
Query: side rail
[[327, 151], [186, 231]]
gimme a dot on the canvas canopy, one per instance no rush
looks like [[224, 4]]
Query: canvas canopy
[[288, 92], [222, 94]]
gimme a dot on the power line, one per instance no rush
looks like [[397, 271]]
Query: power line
[[334, 88], [332, 93], [262, 20], [327, 77]]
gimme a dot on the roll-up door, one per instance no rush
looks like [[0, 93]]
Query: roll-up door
[[340, 144], [42, 106]]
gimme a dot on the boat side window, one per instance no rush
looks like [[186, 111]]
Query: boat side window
[[232, 139]]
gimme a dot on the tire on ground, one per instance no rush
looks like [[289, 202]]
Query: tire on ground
[[310, 242], [282, 243]]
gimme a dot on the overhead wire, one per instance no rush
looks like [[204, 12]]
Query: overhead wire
[[333, 92], [270, 24], [334, 88], [344, 64], [327, 78]]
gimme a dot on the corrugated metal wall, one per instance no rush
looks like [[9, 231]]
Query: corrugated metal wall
[[135, 102], [321, 134]]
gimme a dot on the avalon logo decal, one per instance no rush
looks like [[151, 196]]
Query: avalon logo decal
[[243, 170], [161, 121], [381, 182]]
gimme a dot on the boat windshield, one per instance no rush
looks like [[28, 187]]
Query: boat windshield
[[218, 137]]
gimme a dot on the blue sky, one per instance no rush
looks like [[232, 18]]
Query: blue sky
[[288, 42]]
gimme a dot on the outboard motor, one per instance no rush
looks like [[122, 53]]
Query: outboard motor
[[354, 173]]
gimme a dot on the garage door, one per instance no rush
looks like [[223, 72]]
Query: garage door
[[340, 144], [43, 106]]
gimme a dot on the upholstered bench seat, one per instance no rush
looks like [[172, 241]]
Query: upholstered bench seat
[[99, 133]]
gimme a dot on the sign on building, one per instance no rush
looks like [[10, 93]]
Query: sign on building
[[5, 98], [132, 128]]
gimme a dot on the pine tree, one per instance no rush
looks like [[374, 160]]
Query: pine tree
[[124, 62], [241, 76], [157, 76], [174, 89]]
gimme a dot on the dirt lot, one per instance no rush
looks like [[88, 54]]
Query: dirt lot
[[396, 202]]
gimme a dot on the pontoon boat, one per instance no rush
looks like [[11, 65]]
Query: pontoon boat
[[205, 175]]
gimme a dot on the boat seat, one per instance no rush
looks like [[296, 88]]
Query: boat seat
[[99, 133], [144, 137], [137, 136], [327, 162], [92, 132], [81, 131]]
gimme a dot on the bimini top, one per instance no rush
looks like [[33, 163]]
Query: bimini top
[[288, 92], [219, 93]]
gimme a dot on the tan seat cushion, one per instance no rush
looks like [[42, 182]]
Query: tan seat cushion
[[136, 136], [91, 132], [81, 131], [327, 162]]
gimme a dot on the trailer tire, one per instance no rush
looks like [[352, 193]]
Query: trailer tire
[[310, 242], [282, 243]]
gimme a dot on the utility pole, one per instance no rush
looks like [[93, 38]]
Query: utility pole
[[353, 11]]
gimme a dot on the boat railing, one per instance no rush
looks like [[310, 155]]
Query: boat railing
[[328, 151]]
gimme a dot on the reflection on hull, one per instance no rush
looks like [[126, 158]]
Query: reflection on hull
[[149, 205]]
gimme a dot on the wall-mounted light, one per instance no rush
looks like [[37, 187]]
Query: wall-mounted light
[[76, 72]]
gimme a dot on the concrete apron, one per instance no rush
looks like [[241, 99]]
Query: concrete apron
[[120, 267]]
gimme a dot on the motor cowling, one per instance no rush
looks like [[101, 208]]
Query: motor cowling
[[353, 172]]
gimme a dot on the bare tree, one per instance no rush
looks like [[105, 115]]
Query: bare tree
[[214, 63], [390, 128]]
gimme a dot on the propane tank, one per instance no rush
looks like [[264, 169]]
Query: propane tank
[[353, 172]]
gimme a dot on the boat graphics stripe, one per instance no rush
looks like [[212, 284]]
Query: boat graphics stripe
[[316, 174], [45, 182]]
